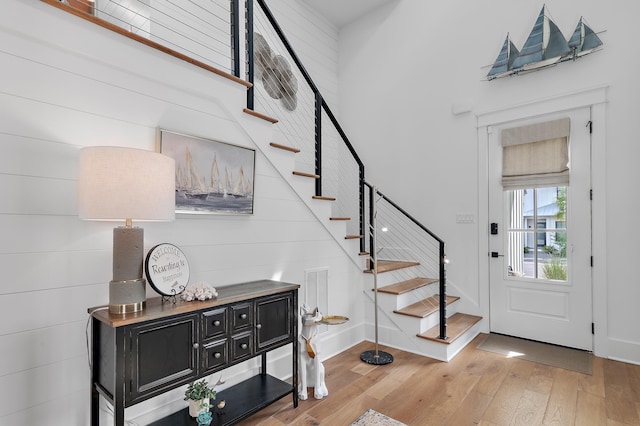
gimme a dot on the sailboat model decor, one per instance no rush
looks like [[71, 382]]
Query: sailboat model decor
[[544, 47]]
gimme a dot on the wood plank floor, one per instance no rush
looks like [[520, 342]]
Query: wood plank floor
[[476, 388]]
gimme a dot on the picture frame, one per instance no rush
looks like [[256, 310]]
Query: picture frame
[[212, 177]]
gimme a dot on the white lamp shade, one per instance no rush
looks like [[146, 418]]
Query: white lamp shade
[[116, 183]]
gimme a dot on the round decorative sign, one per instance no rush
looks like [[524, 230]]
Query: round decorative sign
[[167, 269]]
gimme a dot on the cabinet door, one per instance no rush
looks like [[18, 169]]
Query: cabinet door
[[163, 355], [273, 321]]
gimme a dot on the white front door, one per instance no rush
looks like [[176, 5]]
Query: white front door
[[540, 246]]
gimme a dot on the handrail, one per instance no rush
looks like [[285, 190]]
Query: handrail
[[321, 105], [442, 256], [414, 220], [285, 41]]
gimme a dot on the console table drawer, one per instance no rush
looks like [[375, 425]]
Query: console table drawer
[[242, 345], [215, 323], [241, 316], [215, 354]]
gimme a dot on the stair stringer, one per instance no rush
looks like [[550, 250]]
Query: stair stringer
[[261, 132]]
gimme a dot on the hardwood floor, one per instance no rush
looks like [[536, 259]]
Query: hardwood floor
[[476, 388]]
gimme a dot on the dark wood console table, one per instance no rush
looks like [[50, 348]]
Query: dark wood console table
[[144, 354]]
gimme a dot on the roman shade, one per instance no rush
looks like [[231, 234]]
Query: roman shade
[[536, 155]]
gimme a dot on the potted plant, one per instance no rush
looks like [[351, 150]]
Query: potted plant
[[199, 394]]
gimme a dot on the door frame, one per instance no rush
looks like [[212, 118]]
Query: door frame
[[596, 99]]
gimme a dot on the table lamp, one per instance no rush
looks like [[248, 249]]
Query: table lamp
[[126, 184]]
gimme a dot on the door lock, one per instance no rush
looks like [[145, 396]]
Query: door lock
[[496, 254], [494, 228]]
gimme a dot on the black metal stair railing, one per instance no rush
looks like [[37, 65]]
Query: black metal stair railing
[[401, 237], [211, 38], [409, 239]]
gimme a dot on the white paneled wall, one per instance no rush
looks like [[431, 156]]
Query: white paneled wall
[[67, 84]]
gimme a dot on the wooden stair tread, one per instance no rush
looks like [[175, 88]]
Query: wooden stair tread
[[284, 147], [260, 115], [303, 174], [339, 218], [320, 197], [456, 326], [406, 286], [425, 307], [391, 265]]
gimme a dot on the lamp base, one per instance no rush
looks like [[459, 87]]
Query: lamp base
[[376, 357], [127, 296]]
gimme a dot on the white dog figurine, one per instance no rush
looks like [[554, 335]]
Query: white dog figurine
[[310, 367]]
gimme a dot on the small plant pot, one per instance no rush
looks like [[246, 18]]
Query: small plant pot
[[197, 407]]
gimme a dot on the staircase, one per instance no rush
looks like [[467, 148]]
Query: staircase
[[408, 299], [410, 306], [330, 180], [413, 306]]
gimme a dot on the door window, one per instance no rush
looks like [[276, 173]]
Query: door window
[[537, 233]]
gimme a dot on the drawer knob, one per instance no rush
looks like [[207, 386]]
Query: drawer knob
[[243, 316], [196, 345], [217, 355], [244, 346], [216, 323]]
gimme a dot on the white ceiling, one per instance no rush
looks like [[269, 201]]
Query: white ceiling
[[341, 12]]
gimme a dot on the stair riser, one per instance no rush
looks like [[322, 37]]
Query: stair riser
[[413, 296], [391, 253], [304, 185], [393, 302], [387, 302], [407, 323], [389, 336], [419, 325]]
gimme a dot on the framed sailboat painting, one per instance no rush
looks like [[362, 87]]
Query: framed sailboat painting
[[212, 177]]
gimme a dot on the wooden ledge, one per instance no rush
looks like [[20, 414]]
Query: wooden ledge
[[284, 147], [390, 265], [406, 286], [353, 237], [339, 218], [309, 175], [260, 115], [457, 324], [320, 197], [425, 307]]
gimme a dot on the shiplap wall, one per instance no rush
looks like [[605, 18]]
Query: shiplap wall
[[67, 84]]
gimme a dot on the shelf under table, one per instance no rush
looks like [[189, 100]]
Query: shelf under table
[[242, 400]]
